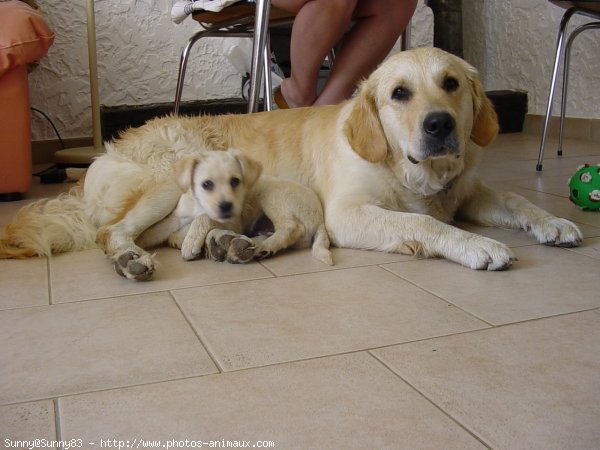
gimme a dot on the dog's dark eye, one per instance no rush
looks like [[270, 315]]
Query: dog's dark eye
[[401, 94], [234, 182], [450, 84], [208, 185]]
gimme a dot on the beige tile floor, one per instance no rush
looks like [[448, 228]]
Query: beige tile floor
[[379, 351]]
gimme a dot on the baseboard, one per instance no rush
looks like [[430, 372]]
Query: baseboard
[[118, 118], [575, 127]]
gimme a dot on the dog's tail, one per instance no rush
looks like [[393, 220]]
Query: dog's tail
[[320, 246], [49, 226]]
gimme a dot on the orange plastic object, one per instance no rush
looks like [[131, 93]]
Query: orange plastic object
[[24, 38], [15, 132]]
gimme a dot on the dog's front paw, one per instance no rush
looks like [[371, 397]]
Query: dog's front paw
[[482, 253], [557, 232], [133, 266], [191, 248], [218, 243], [241, 250]]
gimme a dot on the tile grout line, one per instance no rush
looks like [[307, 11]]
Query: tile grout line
[[49, 278], [57, 424], [350, 352], [441, 298], [196, 333], [430, 401]]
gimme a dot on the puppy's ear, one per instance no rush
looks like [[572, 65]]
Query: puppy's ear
[[363, 128], [485, 122], [183, 171], [251, 169]]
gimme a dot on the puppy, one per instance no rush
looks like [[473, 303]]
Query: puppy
[[297, 217], [214, 186]]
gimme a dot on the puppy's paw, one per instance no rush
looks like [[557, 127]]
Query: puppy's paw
[[557, 232], [241, 250], [191, 248], [134, 266], [218, 243], [481, 253]]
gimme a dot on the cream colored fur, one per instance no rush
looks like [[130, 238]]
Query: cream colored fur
[[294, 210], [382, 185]]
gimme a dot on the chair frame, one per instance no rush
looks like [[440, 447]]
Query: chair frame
[[563, 46], [261, 52]]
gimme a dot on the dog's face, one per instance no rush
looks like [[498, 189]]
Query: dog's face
[[219, 181], [421, 104]]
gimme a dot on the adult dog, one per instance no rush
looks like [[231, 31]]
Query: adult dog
[[392, 166]]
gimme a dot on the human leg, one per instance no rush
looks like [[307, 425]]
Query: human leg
[[378, 24], [318, 25]]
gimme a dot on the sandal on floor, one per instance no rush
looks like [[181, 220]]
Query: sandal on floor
[[280, 99]]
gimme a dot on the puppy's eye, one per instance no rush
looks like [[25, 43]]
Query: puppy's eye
[[208, 185], [234, 182], [401, 94], [450, 84]]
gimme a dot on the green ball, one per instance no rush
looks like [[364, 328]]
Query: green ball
[[584, 187]]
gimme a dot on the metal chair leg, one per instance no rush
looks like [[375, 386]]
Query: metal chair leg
[[260, 37], [268, 85], [559, 50], [563, 106], [185, 54]]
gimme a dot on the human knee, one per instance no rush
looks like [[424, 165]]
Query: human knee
[[396, 12], [338, 8]]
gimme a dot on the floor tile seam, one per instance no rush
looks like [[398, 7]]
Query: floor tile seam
[[244, 369], [489, 329], [329, 269], [175, 379], [447, 414], [537, 319], [57, 420], [197, 333], [543, 192], [49, 281], [267, 269], [439, 297], [225, 372], [577, 252], [65, 395], [158, 291]]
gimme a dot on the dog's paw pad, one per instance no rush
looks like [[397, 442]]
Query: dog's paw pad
[[242, 250], [134, 267], [218, 243]]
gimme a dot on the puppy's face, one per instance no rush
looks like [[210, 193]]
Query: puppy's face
[[425, 103], [218, 180]]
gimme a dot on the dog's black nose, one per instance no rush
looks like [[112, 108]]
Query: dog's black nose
[[225, 207], [439, 125]]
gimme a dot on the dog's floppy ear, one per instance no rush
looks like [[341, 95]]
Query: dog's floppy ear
[[485, 122], [183, 170], [363, 128], [251, 169]]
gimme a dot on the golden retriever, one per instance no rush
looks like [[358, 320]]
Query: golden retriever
[[296, 215], [213, 187], [392, 166]]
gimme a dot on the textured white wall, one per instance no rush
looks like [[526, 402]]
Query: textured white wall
[[138, 51], [513, 44]]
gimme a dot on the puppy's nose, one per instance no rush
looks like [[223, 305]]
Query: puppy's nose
[[439, 125], [225, 207]]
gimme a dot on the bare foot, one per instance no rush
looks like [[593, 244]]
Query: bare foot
[[293, 96]]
